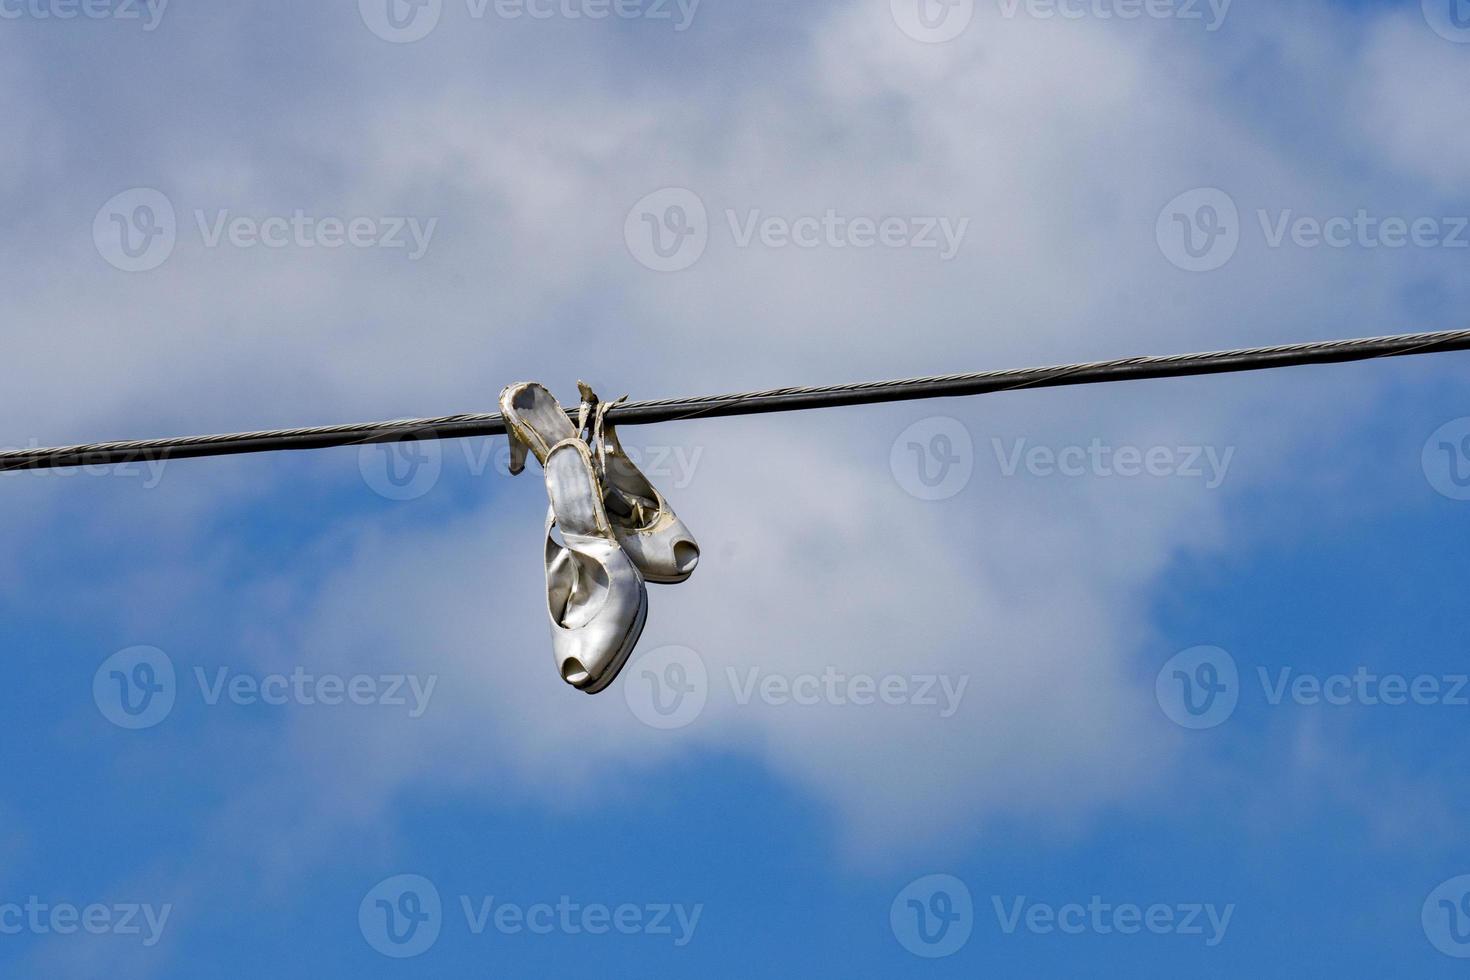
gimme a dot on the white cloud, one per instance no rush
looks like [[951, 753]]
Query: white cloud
[[1411, 95]]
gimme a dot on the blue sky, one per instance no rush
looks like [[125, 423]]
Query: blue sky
[[1091, 682]]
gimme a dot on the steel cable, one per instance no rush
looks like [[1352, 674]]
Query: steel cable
[[751, 403]]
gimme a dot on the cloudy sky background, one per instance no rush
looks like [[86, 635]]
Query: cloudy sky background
[[1056, 599]]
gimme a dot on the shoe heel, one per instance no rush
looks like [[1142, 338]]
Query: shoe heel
[[518, 453]]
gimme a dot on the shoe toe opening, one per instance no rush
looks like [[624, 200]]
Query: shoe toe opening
[[686, 556], [574, 673]]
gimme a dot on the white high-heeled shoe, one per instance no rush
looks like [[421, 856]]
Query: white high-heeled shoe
[[595, 595], [659, 543], [535, 421]]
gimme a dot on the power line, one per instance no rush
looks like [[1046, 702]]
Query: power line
[[752, 403]]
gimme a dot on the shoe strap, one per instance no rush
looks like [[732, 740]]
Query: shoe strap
[[594, 430]]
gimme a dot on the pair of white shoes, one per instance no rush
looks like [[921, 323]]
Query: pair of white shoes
[[616, 532]]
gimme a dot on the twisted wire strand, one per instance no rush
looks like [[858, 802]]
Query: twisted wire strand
[[751, 403]]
